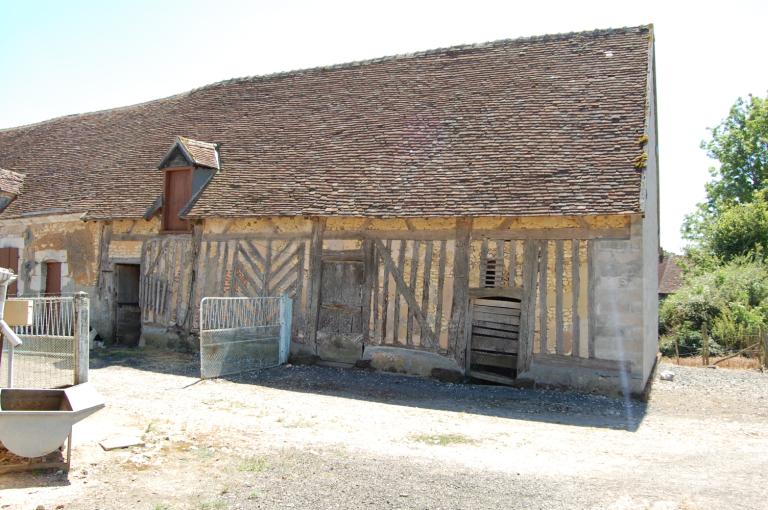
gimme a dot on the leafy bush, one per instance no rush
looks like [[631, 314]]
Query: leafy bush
[[730, 303]]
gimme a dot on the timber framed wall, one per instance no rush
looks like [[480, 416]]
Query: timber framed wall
[[422, 273]]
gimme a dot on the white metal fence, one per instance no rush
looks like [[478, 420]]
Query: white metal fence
[[54, 352], [238, 334]]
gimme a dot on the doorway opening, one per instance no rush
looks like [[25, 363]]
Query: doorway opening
[[128, 313]]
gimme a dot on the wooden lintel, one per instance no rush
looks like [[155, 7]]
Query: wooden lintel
[[553, 233], [417, 235], [256, 236]]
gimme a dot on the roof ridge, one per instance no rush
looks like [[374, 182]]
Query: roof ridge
[[347, 65]]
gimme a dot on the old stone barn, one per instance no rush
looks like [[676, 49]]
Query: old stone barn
[[488, 209]]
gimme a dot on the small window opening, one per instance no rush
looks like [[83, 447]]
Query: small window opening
[[489, 280]]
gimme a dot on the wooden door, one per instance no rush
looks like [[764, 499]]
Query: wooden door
[[9, 258], [128, 313], [53, 278], [340, 318], [178, 191], [494, 342]]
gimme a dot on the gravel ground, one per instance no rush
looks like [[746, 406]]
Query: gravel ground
[[314, 437]]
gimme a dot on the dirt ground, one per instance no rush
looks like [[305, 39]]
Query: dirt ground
[[314, 437]]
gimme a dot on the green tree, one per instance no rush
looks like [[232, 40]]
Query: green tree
[[740, 144], [739, 230]]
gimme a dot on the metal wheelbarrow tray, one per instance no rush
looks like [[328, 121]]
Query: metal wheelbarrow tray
[[35, 422]]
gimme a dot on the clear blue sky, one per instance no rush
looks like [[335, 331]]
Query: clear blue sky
[[59, 57]]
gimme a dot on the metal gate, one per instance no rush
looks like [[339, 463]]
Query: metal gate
[[54, 352], [238, 334]]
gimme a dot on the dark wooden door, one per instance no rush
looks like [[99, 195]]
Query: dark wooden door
[[340, 321], [178, 191], [128, 316], [53, 278], [494, 345], [9, 258]]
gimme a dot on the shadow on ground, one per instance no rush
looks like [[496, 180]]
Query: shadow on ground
[[545, 405]]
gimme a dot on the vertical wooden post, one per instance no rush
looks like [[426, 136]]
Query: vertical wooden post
[[286, 314], [528, 310], [457, 330], [315, 277], [82, 350], [369, 270], [704, 345], [764, 345], [677, 349]]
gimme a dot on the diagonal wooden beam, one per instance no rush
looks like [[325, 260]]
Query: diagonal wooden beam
[[409, 297]]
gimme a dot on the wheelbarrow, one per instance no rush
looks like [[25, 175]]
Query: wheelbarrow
[[34, 422]]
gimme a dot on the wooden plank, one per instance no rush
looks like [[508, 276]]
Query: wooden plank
[[408, 296], [315, 272], [487, 343], [440, 290], [491, 377], [399, 269], [496, 319], [368, 288], [543, 263], [512, 264], [458, 334], [254, 250], [268, 288], [426, 287], [591, 283], [495, 310], [483, 263], [498, 303], [500, 265], [617, 233], [495, 325], [412, 289], [559, 340], [375, 288], [385, 288], [298, 309], [575, 290], [530, 253], [104, 242], [499, 333], [257, 273], [512, 292], [493, 360]]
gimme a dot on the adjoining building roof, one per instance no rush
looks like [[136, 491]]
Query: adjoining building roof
[[10, 182], [670, 274], [536, 126]]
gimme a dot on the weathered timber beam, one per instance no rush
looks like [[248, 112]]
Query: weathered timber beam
[[553, 233]]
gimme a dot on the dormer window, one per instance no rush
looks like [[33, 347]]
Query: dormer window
[[188, 166]]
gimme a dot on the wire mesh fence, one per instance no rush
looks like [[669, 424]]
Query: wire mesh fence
[[238, 334], [746, 350], [48, 356]]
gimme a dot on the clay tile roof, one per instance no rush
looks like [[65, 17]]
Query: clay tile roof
[[202, 153], [535, 126], [670, 274], [11, 182]]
